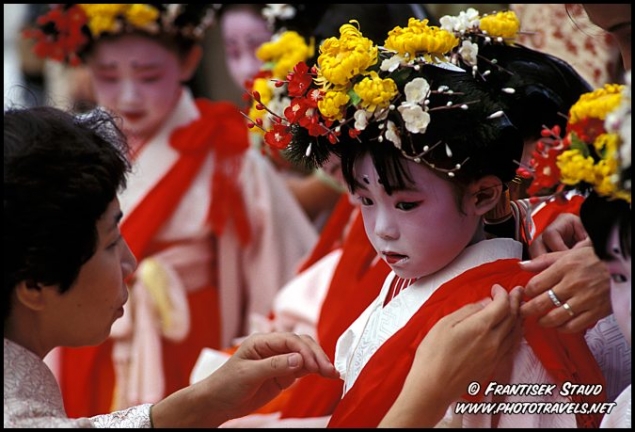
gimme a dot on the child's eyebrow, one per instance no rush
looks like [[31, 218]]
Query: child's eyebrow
[[359, 185]]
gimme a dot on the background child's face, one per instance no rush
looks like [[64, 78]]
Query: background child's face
[[243, 30], [137, 78], [620, 270], [417, 231]]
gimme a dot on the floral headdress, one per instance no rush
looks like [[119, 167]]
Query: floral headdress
[[475, 30], [67, 30], [596, 151], [356, 83]]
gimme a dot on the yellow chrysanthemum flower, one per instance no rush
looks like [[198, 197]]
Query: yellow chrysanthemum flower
[[575, 167], [102, 18], [333, 103], [602, 174], [420, 39], [502, 24], [375, 92], [285, 52], [142, 15], [342, 59], [596, 104]]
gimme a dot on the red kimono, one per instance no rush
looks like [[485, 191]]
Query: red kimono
[[565, 357]]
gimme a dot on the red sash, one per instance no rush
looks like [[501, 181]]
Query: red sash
[[356, 282], [566, 357], [220, 128]]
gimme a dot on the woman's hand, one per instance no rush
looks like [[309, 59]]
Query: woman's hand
[[576, 278], [263, 366]]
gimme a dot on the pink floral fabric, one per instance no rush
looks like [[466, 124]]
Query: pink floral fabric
[[566, 32]]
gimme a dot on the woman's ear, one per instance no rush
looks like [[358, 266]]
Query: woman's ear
[[190, 62], [486, 193], [31, 295]]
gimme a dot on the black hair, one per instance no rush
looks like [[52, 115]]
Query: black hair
[[376, 19], [599, 215], [543, 90], [483, 144], [61, 172], [545, 87]]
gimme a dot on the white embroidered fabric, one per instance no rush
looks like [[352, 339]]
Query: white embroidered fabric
[[613, 354], [620, 417], [32, 398]]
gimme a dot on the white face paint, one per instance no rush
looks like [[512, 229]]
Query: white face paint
[[139, 80], [418, 230], [243, 30], [620, 269]]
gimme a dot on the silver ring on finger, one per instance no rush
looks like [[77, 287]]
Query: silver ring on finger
[[566, 307], [552, 295]]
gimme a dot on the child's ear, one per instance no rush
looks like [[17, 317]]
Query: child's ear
[[486, 193], [190, 62]]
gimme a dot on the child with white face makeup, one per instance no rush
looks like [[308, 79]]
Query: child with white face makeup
[[426, 150], [243, 29]]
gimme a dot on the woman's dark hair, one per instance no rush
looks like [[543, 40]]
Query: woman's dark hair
[[599, 215], [61, 172]]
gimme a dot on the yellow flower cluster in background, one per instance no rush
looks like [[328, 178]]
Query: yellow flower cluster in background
[[104, 18], [501, 24], [592, 155], [285, 51]]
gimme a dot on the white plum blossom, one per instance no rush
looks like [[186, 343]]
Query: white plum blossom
[[392, 134], [416, 119], [361, 119], [461, 23], [469, 52], [417, 90], [412, 109], [392, 63]]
